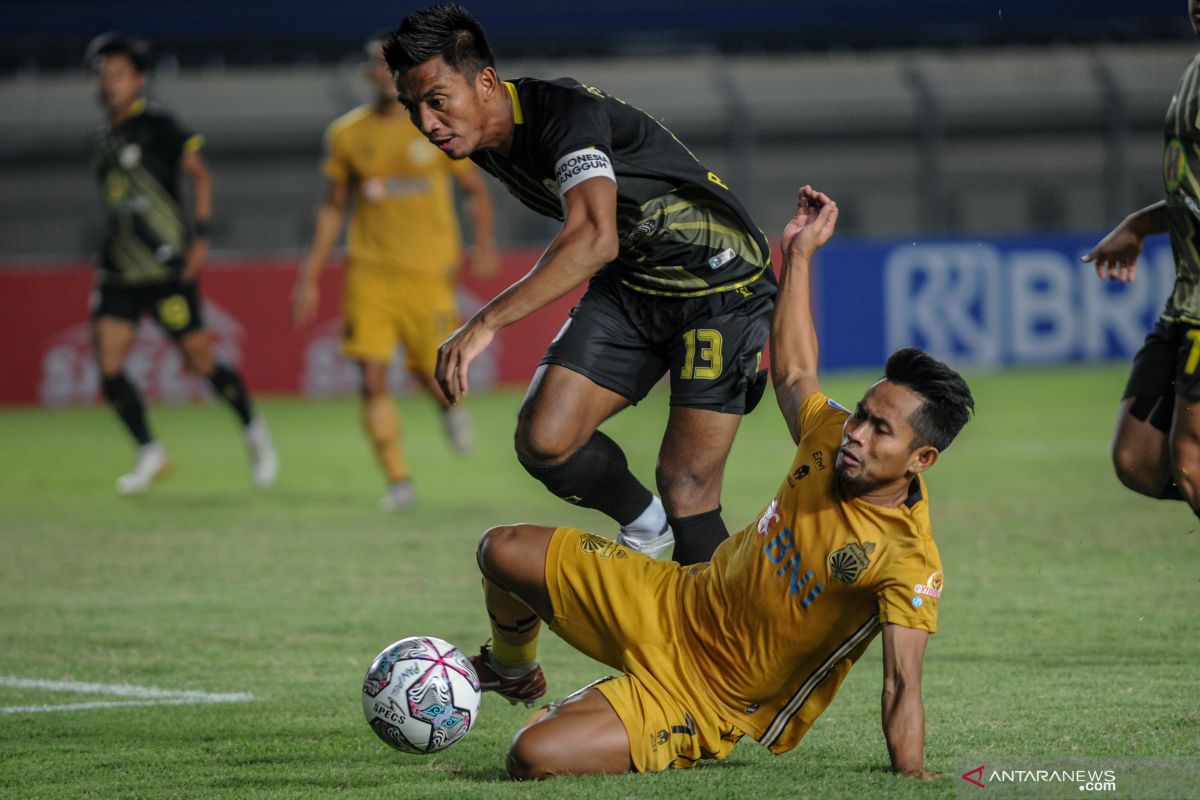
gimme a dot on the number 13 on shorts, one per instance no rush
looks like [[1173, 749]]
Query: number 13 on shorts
[[702, 354]]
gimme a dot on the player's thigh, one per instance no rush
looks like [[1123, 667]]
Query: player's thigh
[[1140, 443], [111, 339], [369, 329], [582, 735], [561, 411], [607, 600], [1185, 425], [609, 340], [426, 315], [715, 352], [514, 558]]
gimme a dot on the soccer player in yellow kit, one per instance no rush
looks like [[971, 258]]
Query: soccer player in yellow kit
[[757, 641], [404, 250]]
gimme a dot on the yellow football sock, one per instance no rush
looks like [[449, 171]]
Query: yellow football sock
[[382, 423], [515, 627]]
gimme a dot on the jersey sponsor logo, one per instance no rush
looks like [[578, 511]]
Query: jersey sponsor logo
[[577, 167], [722, 258], [769, 517], [130, 156], [818, 458], [917, 602], [642, 231], [932, 587], [1174, 164], [381, 188], [798, 475], [849, 562], [782, 550]]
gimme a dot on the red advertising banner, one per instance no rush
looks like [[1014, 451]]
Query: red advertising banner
[[46, 356]]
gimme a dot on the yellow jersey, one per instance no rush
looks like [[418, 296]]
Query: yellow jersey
[[403, 219], [804, 590]]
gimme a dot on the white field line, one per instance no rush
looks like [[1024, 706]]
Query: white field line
[[146, 695]]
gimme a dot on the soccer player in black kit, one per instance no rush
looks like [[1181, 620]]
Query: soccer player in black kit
[[680, 280], [151, 256]]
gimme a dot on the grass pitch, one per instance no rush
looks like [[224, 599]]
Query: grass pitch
[[1069, 627]]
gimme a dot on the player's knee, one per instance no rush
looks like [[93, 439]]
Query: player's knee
[[541, 443], [685, 488], [1132, 469], [498, 548], [533, 755]]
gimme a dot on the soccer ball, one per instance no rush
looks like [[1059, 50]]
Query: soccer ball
[[421, 695]]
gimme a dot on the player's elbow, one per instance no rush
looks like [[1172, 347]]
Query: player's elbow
[[606, 245]]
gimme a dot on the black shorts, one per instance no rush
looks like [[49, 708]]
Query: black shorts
[[175, 305], [712, 345], [1167, 365]]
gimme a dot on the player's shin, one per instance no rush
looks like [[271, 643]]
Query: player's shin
[[230, 387], [596, 476], [515, 629], [382, 424], [125, 400]]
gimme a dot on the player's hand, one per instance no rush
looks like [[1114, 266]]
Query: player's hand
[[484, 260], [305, 300], [193, 261], [812, 225], [455, 357], [1117, 254]]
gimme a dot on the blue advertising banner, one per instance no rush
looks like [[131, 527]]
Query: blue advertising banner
[[1024, 300]]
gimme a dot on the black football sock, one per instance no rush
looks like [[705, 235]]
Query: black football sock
[[597, 476], [697, 536], [229, 387], [125, 400]]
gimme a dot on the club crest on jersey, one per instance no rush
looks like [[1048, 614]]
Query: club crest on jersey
[[769, 517], [849, 562], [1174, 165]]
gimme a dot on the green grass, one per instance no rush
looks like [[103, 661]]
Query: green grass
[[1069, 627]]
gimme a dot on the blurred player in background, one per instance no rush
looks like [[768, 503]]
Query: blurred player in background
[[680, 280], [1156, 449], [152, 256], [759, 640], [404, 252]]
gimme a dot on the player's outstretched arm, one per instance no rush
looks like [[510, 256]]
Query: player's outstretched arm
[[587, 241], [903, 709], [793, 335], [1117, 253], [328, 229]]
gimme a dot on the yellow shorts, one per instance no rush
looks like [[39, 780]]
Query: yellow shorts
[[618, 606], [383, 309]]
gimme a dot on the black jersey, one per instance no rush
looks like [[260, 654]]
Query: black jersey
[[137, 167], [1181, 166], [682, 232]]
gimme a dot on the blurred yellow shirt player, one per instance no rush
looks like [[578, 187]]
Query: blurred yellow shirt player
[[403, 252]]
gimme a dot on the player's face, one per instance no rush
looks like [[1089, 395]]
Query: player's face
[[119, 84], [378, 74], [876, 448], [1194, 15], [445, 105]]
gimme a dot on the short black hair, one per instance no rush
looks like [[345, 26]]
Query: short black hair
[[118, 44], [948, 403], [447, 30]]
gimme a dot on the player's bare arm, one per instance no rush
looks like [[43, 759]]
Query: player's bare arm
[[903, 709], [1117, 253], [793, 335], [331, 217], [587, 241], [482, 257], [194, 167]]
